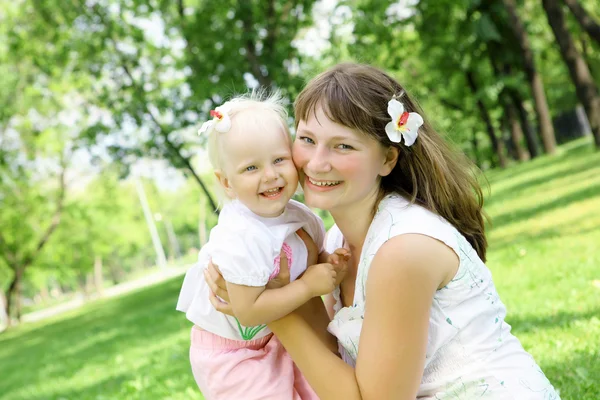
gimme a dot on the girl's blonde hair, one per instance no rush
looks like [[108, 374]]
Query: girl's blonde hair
[[255, 110], [428, 173]]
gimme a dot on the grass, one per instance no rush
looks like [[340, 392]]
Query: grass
[[130, 347], [543, 254]]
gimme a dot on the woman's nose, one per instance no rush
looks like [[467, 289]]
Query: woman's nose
[[319, 162]]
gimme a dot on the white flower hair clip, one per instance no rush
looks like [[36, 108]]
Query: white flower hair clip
[[403, 125], [221, 121]]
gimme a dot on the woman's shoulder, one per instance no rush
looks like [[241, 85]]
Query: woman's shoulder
[[396, 208], [396, 216]]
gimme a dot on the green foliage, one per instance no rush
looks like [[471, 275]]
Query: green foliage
[[430, 45], [158, 67]]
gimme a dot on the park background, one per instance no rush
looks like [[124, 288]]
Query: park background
[[106, 194]]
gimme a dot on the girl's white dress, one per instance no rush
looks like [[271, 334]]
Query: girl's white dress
[[246, 248], [471, 353]]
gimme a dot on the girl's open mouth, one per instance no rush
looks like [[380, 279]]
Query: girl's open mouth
[[272, 193]]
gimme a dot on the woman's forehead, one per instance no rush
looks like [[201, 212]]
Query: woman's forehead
[[319, 124]]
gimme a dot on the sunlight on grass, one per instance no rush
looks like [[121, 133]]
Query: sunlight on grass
[[543, 254], [132, 347]]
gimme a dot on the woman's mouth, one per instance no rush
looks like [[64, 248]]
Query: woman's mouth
[[322, 184]]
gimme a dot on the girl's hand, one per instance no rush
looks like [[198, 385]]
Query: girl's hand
[[339, 259], [320, 279]]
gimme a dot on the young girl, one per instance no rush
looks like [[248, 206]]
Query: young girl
[[238, 357], [418, 315]]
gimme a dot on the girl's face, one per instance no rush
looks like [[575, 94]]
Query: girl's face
[[338, 167], [258, 170]]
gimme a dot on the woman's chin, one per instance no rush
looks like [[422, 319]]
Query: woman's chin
[[319, 200]]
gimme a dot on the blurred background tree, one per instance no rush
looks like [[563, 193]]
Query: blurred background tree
[[97, 95]]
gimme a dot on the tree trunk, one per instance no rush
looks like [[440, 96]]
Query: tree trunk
[[505, 137], [475, 146], [3, 314], [585, 20], [510, 116], [98, 277], [516, 134], [14, 290], [527, 129], [586, 89], [497, 145], [535, 81]]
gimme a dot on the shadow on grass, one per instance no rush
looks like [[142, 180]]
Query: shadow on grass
[[552, 233], [96, 336], [580, 148], [571, 170], [531, 212], [562, 319], [577, 378]]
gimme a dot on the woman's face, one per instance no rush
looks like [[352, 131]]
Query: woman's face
[[337, 167]]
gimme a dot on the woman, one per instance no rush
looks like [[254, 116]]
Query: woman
[[417, 315]]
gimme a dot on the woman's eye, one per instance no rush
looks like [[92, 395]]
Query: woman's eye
[[345, 147], [307, 139], [250, 168]]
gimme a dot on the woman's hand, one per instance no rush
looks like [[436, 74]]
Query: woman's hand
[[283, 277], [218, 296]]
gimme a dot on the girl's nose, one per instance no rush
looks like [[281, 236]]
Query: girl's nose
[[270, 174]]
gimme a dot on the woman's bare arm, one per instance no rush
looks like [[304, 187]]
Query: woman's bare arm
[[402, 281]]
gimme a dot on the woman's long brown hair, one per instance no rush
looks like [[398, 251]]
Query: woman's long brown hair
[[429, 172]]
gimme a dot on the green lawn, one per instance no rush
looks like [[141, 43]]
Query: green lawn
[[543, 254], [545, 257]]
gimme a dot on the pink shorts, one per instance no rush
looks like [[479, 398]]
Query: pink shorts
[[227, 369]]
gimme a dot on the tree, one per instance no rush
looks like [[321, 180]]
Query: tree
[[586, 89], [34, 156], [585, 20], [414, 43], [29, 220], [157, 68], [510, 112], [497, 143], [507, 64], [534, 78]]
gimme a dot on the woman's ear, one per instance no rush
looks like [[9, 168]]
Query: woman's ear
[[225, 184], [391, 158]]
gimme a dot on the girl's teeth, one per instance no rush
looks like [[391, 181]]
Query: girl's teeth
[[271, 192]]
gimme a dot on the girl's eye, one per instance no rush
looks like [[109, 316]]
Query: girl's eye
[[278, 160], [250, 168], [307, 140], [345, 147]]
